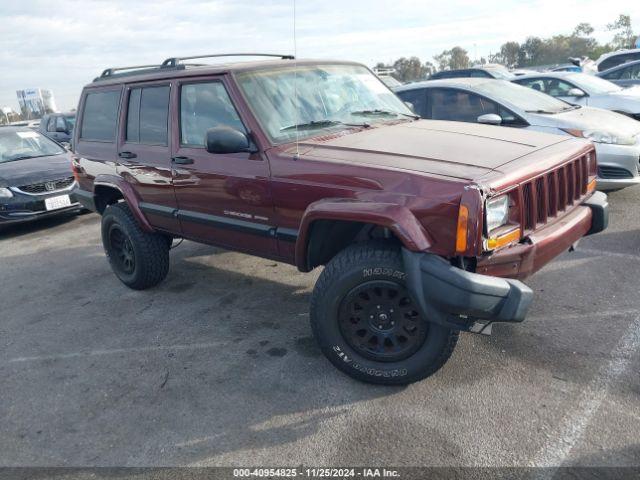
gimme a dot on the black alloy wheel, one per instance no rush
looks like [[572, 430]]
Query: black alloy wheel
[[379, 320], [122, 251]]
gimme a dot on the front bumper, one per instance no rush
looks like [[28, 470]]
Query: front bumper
[[618, 166], [24, 208], [459, 299], [463, 300], [535, 251]]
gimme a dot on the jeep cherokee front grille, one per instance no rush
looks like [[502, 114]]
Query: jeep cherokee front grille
[[46, 187], [553, 193]]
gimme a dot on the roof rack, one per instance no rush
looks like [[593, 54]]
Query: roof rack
[[175, 61], [110, 71]]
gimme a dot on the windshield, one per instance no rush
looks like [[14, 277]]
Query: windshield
[[593, 85], [18, 145], [523, 98], [329, 97], [71, 121]]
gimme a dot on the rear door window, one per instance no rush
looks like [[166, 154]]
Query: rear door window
[[100, 116], [148, 115], [417, 98]]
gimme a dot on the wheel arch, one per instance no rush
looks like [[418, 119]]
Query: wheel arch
[[327, 227], [112, 189]]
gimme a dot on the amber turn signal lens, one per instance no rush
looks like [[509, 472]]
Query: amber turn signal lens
[[591, 186], [502, 240], [461, 232]]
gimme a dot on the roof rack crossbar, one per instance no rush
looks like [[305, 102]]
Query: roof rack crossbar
[[110, 71], [174, 61]]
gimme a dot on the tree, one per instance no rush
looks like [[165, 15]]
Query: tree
[[624, 33], [452, 59], [410, 69], [510, 53], [583, 30], [530, 52]]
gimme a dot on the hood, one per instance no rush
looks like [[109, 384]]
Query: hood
[[35, 170], [587, 118], [453, 149]]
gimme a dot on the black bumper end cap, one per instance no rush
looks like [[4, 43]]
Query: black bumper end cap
[[599, 205], [454, 297], [86, 199]]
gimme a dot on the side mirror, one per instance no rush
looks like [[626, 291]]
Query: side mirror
[[490, 119], [575, 92], [226, 140], [410, 105]]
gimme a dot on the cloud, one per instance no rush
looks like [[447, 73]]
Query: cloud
[[63, 48]]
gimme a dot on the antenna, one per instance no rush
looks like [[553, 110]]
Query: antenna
[[296, 119]]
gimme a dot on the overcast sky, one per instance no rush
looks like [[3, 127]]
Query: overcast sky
[[62, 45]]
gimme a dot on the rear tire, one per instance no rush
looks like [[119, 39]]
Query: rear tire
[[367, 324], [139, 259]]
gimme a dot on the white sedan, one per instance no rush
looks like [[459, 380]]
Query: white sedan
[[499, 102], [585, 90]]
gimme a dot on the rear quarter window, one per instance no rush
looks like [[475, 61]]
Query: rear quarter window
[[100, 116]]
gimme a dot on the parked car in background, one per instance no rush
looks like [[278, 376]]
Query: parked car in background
[[497, 102], [587, 90], [26, 123], [386, 75], [58, 126], [567, 67], [518, 72], [613, 59], [35, 177], [495, 71], [424, 227], [625, 75]]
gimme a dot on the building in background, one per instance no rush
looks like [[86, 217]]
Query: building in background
[[35, 102]]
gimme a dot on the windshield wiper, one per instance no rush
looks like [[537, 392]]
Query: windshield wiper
[[386, 113], [543, 111], [322, 124]]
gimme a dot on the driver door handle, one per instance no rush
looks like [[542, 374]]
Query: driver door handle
[[127, 155], [182, 160]]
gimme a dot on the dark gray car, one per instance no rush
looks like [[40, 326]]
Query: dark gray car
[[35, 177], [625, 75]]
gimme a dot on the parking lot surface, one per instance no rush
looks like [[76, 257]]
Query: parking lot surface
[[217, 366]]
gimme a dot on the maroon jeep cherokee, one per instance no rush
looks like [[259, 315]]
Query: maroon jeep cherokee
[[423, 226]]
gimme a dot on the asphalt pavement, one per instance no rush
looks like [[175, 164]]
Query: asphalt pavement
[[217, 365]]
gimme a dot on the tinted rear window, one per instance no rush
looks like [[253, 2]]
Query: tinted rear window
[[100, 116], [147, 115]]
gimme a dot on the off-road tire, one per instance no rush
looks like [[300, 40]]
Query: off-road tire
[[354, 266], [150, 250]]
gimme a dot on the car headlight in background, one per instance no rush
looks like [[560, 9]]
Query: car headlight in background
[[5, 193], [497, 212], [602, 136]]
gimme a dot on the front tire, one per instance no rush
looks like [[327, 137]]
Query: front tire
[[367, 324], [139, 259]]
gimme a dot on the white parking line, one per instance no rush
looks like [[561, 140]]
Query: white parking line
[[116, 351], [570, 430], [574, 316], [604, 253]]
